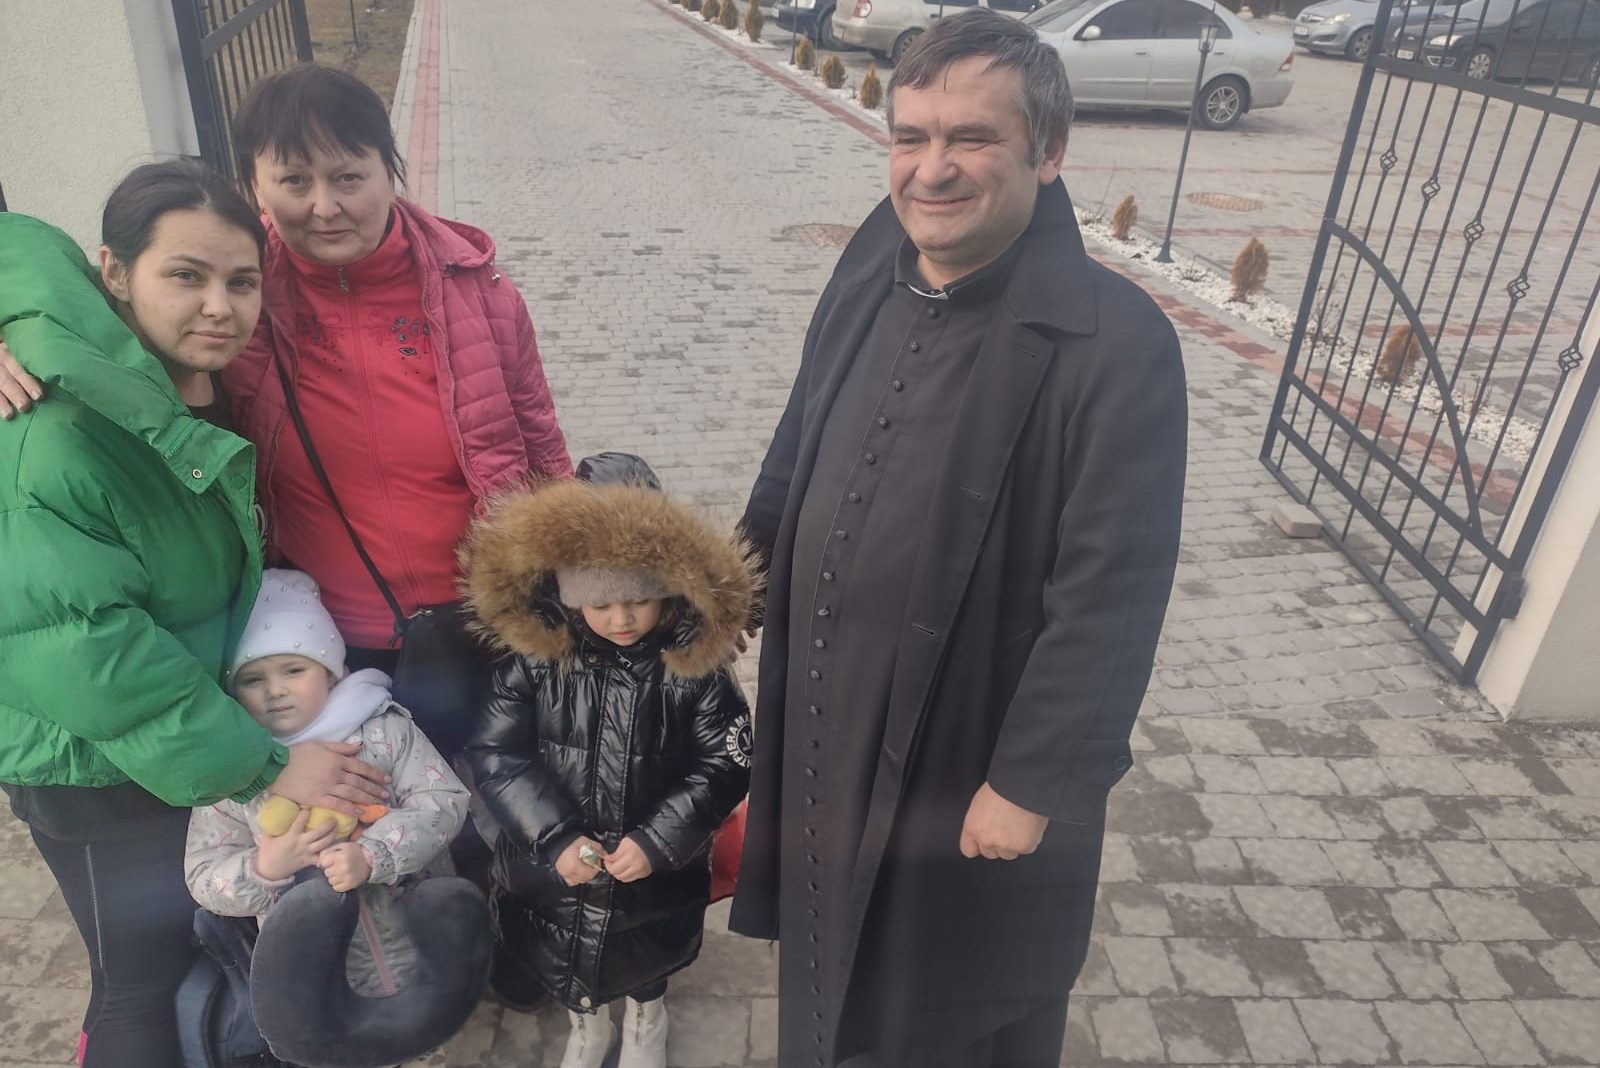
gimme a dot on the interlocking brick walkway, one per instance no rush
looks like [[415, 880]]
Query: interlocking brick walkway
[[1326, 854]]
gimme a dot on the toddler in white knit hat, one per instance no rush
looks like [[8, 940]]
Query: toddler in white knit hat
[[289, 674]]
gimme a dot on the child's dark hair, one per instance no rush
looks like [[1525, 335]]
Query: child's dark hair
[[311, 106], [156, 189]]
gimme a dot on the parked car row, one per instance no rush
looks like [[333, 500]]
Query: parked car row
[[1543, 40], [1118, 53]]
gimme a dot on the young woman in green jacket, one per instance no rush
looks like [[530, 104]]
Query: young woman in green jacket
[[132, 559]]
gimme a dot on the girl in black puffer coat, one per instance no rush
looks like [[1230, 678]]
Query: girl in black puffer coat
[[613, 743]]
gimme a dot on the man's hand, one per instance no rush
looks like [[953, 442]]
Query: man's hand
[[573, 871], [345, 865], [998, 830], [629, 863], [280, 856], [18, 389], [328, 774]]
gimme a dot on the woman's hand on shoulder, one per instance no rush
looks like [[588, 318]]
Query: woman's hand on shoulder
[[19, 390], [328, 774]]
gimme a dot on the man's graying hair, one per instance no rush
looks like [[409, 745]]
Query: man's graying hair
[[1046, 97]]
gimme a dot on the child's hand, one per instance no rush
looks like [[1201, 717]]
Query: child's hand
[[573, 871], [629, 863], [280, 856], [345, 865]]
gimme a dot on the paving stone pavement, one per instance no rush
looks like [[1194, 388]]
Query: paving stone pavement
[[1326, 853]]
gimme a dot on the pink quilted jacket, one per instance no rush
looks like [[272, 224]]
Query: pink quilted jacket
[[501, 417]]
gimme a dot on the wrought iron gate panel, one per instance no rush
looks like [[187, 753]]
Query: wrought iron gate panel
[[1437, 381], [227, 45]]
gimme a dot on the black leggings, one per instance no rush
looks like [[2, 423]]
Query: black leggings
[[128, 898]]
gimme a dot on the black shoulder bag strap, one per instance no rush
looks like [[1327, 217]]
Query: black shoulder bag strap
[[400, 619]]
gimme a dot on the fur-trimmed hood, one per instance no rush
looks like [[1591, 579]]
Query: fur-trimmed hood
[[510, 557]]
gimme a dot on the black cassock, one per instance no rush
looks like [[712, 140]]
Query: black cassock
[[971, 510]]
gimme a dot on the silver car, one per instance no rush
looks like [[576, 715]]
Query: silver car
[[1340, 27], [886, 28], [1145, 54]]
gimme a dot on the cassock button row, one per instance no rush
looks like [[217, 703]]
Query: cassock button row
[[827, 576], [813, 887], [883, 421], [814, 913], [897, 385], [824, 611], [854, 498], [841, 534], [870, 458], [813, 744], [933, 313], [811, 800], [820, 644], [815, 711], [815, 674], [915, 346], [811, 772]]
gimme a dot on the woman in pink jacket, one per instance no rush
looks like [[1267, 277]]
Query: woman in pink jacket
[[411, 357]]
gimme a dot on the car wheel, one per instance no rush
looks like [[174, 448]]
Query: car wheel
[[1221, 103], [1360, 46], [1480, 65], [826, 38], [901, 43], [1593, 77]]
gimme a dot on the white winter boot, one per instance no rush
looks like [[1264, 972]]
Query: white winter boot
[[589, 1041], [644, 1035]]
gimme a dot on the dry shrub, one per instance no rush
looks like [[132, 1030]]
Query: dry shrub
[[1125, 218], [1400, 354], [833, 72], [1250, 270], [691, 5], [871, 90], [805, 55], [730, 14], [710, 9], [754, 20]]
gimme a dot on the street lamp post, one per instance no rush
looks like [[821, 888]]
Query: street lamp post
[[1208, 38]]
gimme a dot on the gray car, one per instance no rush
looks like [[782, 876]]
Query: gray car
[[1345, 27], [1338, 27], [1145, 54]]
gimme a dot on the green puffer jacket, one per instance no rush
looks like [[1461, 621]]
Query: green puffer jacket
[[129, 558]]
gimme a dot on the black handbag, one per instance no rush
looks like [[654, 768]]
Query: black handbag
[[443, 669]]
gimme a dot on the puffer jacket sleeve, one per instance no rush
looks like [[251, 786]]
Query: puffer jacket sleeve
[[219, 863], [82, 654], [429, 803], [535, 408], [689, 814], [516, 785]]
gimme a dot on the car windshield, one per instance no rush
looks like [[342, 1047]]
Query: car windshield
[[1058, 15]]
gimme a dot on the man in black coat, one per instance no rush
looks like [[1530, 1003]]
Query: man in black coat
[[970, 511]]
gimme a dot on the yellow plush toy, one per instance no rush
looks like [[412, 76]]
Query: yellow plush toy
[[279, 813]]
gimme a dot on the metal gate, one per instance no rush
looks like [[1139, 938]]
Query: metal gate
[[226, 46], [1438, 379]]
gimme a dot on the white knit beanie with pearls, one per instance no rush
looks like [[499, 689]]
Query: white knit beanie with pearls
[[289, 620]]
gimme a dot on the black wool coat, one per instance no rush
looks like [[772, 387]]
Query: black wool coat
[[1042, 580]]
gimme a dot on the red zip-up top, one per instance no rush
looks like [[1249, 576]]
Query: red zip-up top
[[368, 386]]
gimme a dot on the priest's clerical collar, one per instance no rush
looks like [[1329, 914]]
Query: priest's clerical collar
[[985, 283]]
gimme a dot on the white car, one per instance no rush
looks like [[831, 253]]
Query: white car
[[1145, 54]]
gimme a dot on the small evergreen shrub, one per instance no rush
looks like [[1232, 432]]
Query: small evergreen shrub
[[833, 72], [754, 20], [1125, 218], [730, 14], [805, 55], [710, 9], [1250, 270], [871, 95]]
